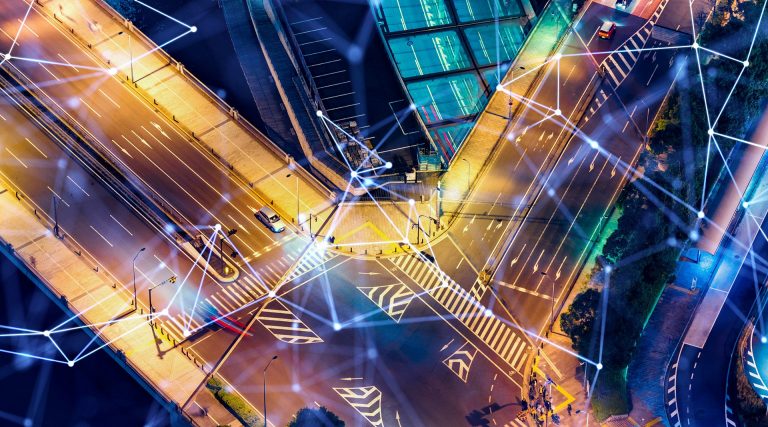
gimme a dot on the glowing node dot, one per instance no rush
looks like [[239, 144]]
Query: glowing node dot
[[693, 235], [700, 214], [71, 363], [336, 326], [593, 144], [272, 294], [745, 204], [558, 56], [8, 56], [163, 312], [695, 45], [46, 333], [388, 165], [112, 71], [710, 132], [193, 29], [27, 422], [412, 107], [599, 366], [185, 333], [368, 182], [488, 312], [558, 112], [764, 339], [353, 174], [746, 63], [608, 269], [411, 202], [295, 387], [217, 227], [499, 87], [319, 113]]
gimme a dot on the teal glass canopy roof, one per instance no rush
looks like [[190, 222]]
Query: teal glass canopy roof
[[450, 55]]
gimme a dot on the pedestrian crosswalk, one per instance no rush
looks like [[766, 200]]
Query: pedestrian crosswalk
[[621, 61], [227, 299], [505, 341], [231, 297], [315, 256]]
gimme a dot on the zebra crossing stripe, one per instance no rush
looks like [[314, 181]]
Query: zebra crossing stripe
[[365, 400], [626, 63], [629, 52], [232, 300], [237, 295], [246, 290], [221, 303], [256, 289], [463, 306]]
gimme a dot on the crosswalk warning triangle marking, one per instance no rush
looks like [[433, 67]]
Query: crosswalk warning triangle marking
[[391, 299]]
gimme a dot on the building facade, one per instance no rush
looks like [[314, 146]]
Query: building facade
[[450, 56]]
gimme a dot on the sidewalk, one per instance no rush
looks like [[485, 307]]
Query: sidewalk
[[252, 157], [479, 149], [194, 109], [97, 298]]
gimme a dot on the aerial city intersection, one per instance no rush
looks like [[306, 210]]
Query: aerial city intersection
[[383, 213]]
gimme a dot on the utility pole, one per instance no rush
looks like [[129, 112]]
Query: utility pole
[[552, 313], [298, 199], [55, 217], [135, 303], [130, 52], [469, 172], [265, 388]]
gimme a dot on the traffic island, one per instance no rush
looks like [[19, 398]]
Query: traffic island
[[235, 404]]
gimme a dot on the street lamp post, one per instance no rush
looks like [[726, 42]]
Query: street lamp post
[[552, 313], [172, 279], [130, 52], [135, 305], [265, 388], [469, 172], [298, 199]]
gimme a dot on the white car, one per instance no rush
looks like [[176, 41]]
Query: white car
[[271, 219]]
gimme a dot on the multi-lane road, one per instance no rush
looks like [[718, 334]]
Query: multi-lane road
[[388, 339]]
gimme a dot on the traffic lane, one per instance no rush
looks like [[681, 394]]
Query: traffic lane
[[131, 139], [509, 186], [594, 17], [584, 178], [87, 212], [708, 385], [651, 80], [404, 360], [535, 139], [97, 112]]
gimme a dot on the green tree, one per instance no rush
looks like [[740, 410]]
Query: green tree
[[579, 321], [316, 417]]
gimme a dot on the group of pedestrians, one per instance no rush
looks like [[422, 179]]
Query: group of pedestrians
[[539, 404]]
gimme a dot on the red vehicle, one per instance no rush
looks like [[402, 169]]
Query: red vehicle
[[227, 322], [607, 30]]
